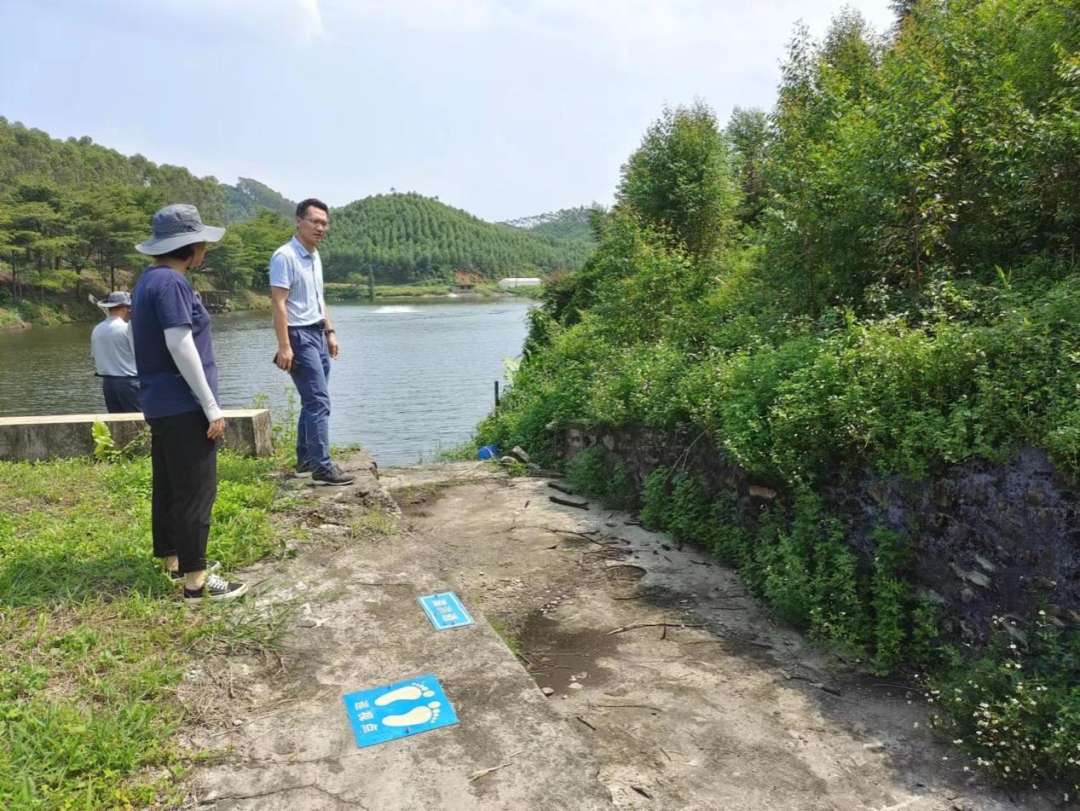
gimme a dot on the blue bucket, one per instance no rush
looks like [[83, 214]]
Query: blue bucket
[[488, 452]]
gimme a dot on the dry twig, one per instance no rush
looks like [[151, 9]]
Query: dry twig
[[652, 625]]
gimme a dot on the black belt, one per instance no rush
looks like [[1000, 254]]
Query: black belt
[[117, 377], [319, 325]]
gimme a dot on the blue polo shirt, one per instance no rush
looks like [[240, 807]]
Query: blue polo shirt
[[164, 299], [294, 268]]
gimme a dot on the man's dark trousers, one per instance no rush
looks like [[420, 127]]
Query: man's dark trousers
[[311, 374], [184, 462], [121, 394]]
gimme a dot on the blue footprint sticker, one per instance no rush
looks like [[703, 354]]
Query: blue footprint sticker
[[398, 710]]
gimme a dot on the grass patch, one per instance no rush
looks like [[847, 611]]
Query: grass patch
[[513, 644], [373, 523], [464, 451], [94, 641]]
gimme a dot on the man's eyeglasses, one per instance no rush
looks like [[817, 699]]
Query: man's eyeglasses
[[323, 224]]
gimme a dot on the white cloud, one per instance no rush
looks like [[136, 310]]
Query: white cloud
[[274, 17], [442, 16], [674, 37]]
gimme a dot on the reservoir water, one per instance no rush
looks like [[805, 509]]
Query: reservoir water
[[411, 378]]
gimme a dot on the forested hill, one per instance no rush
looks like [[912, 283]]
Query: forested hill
[[406, 237], [244, 200], [72, 205], [567, 223], [77, 165]]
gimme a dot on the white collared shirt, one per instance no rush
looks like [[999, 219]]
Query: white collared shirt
[[300, 272], [112, 349]]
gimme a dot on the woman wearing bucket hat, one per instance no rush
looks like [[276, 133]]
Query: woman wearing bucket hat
[[178, 377]]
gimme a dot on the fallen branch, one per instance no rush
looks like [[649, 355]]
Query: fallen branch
[[629, 707], [581, 505], [586, 723], [387, 585], [577, 535], [652, 625], [562, 488], [486, 772]]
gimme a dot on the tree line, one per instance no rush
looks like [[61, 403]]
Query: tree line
[[406, 238], [72, 206], [68, 207]]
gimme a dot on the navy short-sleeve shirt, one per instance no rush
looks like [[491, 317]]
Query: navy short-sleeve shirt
[[164, 298]]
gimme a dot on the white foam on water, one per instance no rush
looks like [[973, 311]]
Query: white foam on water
[[391, 309]]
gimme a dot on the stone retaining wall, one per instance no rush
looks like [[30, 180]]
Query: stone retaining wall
[[986, 539]]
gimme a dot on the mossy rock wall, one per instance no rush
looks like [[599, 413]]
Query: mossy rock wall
[[984, 539]]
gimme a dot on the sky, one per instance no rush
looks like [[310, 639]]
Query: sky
[[505, 108]]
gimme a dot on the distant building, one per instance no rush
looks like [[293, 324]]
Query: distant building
[[465, 281], [520, 281]]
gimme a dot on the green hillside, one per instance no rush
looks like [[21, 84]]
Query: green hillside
[[403, 238], [71, 212], [568, 223], [78, 164], [71, 206], [244, 200]]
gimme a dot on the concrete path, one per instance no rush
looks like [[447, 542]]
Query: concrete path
[[360, 627], [668, 687], [684, 689]]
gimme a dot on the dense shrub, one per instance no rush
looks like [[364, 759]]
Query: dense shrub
[[893, 287]]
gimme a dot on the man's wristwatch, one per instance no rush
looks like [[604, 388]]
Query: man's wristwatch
[[330, 331]]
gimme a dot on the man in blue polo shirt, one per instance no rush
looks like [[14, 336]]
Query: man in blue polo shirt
[[306, 339]]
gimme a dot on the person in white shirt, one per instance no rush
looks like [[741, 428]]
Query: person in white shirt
[[114, 355], [306, 339]]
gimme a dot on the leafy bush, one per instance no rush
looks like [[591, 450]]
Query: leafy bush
[[899, 293], [1017, 709], [587, 472]]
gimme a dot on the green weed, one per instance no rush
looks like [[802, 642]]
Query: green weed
[[93, 641]]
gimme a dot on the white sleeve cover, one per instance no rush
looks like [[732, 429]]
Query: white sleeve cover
[[186, 357]]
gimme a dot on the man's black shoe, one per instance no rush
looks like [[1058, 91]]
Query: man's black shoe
[[303, 470], [334, 477]]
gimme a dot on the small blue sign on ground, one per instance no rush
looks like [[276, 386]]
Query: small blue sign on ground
[[398, 710], [445, 611]]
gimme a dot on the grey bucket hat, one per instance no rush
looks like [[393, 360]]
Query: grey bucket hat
[[176, 226], [117, 298]]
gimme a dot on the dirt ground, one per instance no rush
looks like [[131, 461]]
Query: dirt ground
[[642, 675], [689, 695]]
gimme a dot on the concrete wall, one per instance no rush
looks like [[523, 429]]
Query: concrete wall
[[31, 439]]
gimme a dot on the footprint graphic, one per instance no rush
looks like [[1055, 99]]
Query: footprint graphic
[[415, 716], [409, 692]]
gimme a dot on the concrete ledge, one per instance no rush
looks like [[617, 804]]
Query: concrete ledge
[[32, 439]]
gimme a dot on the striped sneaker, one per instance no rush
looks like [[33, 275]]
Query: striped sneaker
[[215, 589]]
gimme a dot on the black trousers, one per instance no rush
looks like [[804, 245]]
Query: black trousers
[[121, 394], [185, 485]]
